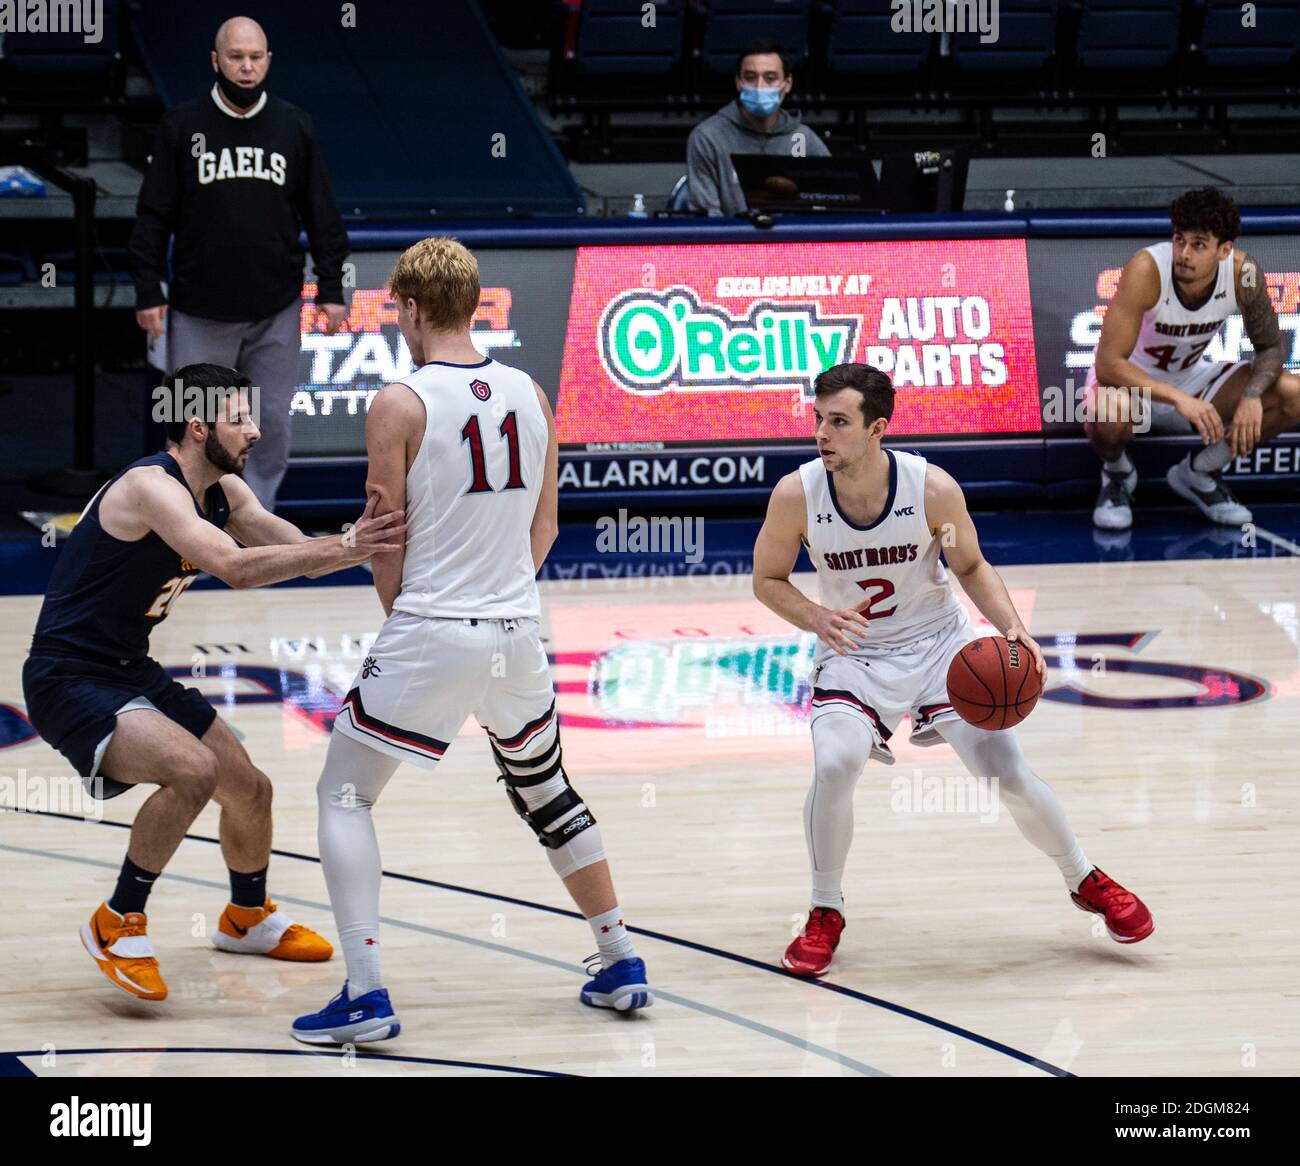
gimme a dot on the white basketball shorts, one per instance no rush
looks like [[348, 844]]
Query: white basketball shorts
[[881, 688], [1203, 380], [423, 677]]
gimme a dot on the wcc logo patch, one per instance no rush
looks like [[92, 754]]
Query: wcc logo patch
[[481, 389], [369, 665]]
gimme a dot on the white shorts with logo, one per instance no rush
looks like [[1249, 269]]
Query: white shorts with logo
[[1203, 380], [880, 688], [424, 677]]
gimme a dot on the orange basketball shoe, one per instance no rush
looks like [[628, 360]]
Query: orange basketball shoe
[[811, 953], [121, 949], [1127, 919], [267, 930]]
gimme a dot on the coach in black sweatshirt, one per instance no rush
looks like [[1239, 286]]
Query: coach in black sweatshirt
[[234, 177]]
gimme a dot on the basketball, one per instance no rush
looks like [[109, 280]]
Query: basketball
[[993, 684]]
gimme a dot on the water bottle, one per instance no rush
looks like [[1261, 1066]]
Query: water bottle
[[638, 210], [1010, 204]]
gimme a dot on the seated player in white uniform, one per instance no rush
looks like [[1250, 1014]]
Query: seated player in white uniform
[[874, 522], [1172, 300], [467, 447]]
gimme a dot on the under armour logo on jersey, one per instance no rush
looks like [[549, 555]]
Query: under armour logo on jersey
[[823, 518], [481, 389], [904, 510], [369, 665]]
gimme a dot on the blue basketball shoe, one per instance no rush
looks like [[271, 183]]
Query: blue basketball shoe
[[621, 986], [343, 1021]]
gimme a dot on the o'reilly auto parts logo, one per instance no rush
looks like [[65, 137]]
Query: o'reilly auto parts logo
[[658, 341]]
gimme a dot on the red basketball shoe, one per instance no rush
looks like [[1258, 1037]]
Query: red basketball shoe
[[1127, 919], [811, 953]]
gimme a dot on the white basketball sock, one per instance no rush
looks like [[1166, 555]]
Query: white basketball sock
[[1032, 802], [1121, 465], [612, 938], [1212, 458], [841, 745], [352, 780]]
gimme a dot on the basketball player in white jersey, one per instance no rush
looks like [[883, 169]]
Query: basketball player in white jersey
[[1172, 300], [467, 448], [874, 521]]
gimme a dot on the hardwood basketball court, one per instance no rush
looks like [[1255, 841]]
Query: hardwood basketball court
[[683, 709]]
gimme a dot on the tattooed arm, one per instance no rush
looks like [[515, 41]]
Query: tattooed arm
[[1266, 339], [1261, 326]]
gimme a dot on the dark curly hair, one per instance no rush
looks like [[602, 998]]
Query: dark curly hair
[[1208, 210], [875, 386]]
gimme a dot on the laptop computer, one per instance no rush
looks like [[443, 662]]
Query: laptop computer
[[775, 182], [925, 180]]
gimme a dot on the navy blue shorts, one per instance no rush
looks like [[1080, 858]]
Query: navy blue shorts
[[73, 704]]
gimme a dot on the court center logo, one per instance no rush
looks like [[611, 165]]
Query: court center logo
[[660, 341]]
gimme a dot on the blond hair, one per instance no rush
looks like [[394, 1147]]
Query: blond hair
[[441, 276]]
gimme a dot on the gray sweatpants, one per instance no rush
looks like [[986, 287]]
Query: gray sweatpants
[[267, 352]]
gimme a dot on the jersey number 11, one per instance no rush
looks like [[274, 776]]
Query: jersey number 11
[[509, 430]]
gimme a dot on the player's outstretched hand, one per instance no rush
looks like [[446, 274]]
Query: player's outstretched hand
[[375, 536], [1020, 636], [844, 629], [1203, 415]]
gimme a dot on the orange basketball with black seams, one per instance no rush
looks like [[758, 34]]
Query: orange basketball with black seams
[[993, 683]]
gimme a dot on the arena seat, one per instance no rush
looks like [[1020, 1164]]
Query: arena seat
[[860, 42], [1270, 43], [1117, 35], [42, 59], [613, 41], [731, 25], [1026, 39]]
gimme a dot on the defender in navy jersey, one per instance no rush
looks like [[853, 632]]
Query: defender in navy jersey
[[93, 692], [875, 523]]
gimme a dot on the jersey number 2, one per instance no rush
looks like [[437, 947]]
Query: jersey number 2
[[886, 590], [510, 432]]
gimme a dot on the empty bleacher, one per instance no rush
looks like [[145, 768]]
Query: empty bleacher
[[1201, 59]]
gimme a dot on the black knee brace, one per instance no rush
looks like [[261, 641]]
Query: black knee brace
[[534, 771]]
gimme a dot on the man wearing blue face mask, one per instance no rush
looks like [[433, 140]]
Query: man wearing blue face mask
[[754, 123]]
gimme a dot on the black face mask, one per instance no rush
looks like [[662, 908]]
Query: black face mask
[[236, 94]]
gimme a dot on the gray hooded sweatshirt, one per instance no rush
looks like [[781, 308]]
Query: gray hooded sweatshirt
[[711, 178]]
